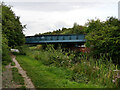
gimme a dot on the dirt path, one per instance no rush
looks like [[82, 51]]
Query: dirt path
[[7, 78], [27, 80]]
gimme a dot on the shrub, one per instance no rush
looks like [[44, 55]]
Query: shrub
[[6, 59], [39, 47], [104, 38], [22, 49]]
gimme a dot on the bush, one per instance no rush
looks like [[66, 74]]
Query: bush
[[6, 59], [22, 49], [39, 47], [104, 38]]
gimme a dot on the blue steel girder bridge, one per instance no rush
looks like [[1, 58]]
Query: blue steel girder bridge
[[57, 39]]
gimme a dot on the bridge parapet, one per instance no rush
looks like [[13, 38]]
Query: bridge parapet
[[55, 39]]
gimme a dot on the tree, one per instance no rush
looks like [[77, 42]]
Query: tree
[[12, 27], [104, 37], [77, 29], [5, 51], [0, 32], [12, 32]]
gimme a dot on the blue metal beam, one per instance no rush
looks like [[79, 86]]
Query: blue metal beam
[[55, 39]]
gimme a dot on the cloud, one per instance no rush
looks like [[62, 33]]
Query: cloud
[[60, 0], [52, 6], [42, 17]]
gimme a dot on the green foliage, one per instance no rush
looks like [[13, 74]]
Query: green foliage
[[39, 47], [49, 76], [22, 49], [12, 64], [99, 72], [12, 27], [104, 38], [12, 32], [17, 78], [76, 29], [6, 59], [55, 57], [84, 69], [0, 34]]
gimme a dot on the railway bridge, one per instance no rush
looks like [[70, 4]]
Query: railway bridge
[[69, 41], [54, 39]]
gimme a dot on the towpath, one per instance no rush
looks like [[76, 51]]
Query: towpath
[[27, 80]]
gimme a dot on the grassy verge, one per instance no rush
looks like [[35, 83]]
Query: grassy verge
[[17, 78], [49, 76]]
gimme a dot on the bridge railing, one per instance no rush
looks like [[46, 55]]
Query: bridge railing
[[55, 38]]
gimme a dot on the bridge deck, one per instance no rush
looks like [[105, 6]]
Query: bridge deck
[[55, 39]]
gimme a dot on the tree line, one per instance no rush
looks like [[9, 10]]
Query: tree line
[[76, 29], [12, 32]]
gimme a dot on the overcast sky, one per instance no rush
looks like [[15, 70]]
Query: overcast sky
[[47, 15]]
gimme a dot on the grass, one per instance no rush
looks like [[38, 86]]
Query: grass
[[44, 76], [17, 78], [85, 69], [3, 68], [78, 68], [12, 64]]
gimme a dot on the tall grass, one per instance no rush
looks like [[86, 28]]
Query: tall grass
[[96, 71], [85, 69]]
